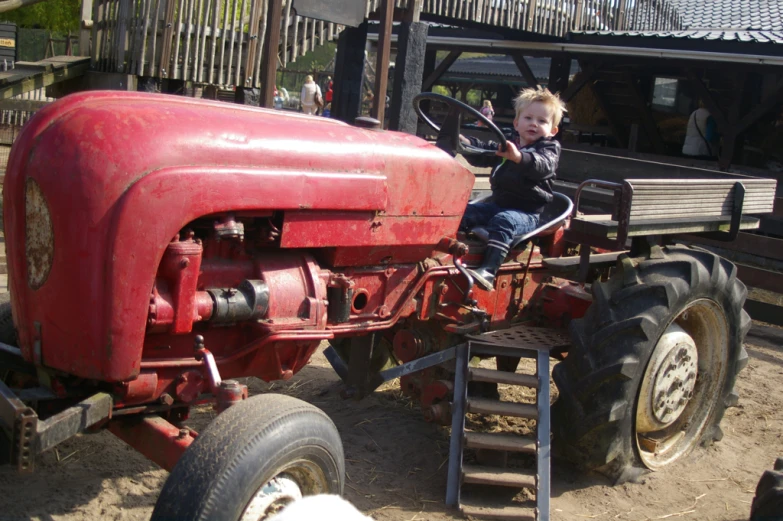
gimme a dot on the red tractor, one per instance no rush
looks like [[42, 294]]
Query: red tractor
[[158, 246]]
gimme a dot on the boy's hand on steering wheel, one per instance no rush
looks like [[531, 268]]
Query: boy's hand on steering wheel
[[511, 153]]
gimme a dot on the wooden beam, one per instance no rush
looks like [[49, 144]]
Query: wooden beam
[[762, 108], [168, 33], [525, 69], [382, 64], [617, 129], [765, 312], [588, 74], [648, 122], [439, 70], [413, 12], [731, 136], [274, 14], [85, 28], [749, 243], [27, 105], [559, 70], [760, 277], [32, 76]]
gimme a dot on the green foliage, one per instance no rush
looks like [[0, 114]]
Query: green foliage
[[316, 60], [52, 15]]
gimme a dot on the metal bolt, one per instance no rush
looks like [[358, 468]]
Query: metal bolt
[[183, 433], [166, 399], [198, 343]]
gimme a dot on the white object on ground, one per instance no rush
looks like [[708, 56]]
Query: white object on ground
[[323, 507]]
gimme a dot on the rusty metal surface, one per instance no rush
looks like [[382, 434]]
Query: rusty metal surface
[[154, 437], [73, 420], [38, 235]]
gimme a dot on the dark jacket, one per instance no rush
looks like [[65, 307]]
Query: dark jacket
[[526, 186]]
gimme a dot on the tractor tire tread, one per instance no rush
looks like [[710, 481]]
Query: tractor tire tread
[[208, 470], [596, 381]]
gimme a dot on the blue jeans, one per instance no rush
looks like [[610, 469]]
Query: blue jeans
[[501, 223]]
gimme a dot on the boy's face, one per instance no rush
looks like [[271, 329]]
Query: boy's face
[[534, 122]]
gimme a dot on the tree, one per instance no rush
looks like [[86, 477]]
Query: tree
[[53, 15]]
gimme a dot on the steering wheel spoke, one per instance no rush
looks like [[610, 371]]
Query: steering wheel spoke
[[448, 138]]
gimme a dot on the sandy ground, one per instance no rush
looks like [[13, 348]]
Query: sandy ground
[[396, 463]]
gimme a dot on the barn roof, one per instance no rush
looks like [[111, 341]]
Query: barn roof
[[748, 15]]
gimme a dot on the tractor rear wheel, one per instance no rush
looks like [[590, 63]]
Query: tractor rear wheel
[[252, 460], [768, 503], [382, 356], [653, 363]]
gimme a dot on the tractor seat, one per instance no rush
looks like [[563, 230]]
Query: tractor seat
[[552, 218]]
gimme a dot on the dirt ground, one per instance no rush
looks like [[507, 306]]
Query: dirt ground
[[396, 463]]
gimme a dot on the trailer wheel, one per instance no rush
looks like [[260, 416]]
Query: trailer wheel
[[768, 503], [653, 363], [7, 328], [252, 460]]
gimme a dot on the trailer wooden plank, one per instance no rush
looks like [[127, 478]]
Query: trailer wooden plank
[[760, 278], [769, 247]]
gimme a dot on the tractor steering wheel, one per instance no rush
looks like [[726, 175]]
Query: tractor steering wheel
[[448, 134]]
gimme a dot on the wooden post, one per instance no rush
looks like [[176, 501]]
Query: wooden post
[[559, 70], [270, 47], [382, 64], [349, 73], [531, 14], [168, 33], [587, 75], [408, 75], [438, 72], [85, 28], [253, 43], [648, 122]]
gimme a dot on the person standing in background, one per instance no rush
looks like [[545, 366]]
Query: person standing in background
[[487, 111], [701, 135], [309, 95], [328, 95]]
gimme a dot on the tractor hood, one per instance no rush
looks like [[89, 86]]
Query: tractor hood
[[99, 183]]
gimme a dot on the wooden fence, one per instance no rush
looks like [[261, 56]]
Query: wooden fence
[[219, 42]]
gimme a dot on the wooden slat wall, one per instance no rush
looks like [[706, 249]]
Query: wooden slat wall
[[220, 41]]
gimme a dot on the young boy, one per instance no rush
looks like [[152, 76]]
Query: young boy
[[521, 182]]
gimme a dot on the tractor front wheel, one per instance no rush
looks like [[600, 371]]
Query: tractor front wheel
[[653, 363], [252, 460]]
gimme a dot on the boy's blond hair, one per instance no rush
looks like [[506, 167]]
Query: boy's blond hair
[[541, 95]]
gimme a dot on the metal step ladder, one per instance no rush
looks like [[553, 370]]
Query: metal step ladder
[[518, 342]]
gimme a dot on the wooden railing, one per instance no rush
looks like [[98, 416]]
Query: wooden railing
[[219, 42], [558, 17]]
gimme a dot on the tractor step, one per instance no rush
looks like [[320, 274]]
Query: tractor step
[[480, 475], [518, 410], [504, 442], [514, 343], [477, 374], [508, 513]]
